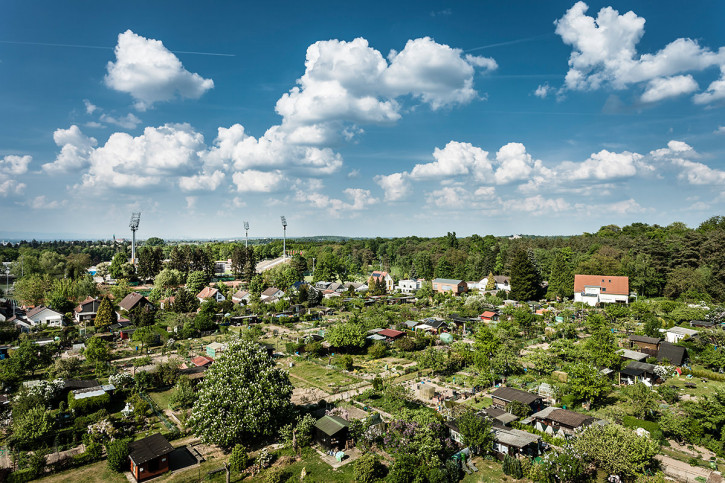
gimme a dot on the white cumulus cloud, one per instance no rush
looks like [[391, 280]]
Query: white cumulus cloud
[[202, 181], [75, 150], [14, 165], [150, 73], [160, 153], [129, 121], [666, 87], [351, 82], [604, 53], [253, 180], [456, 159], [396, 186]]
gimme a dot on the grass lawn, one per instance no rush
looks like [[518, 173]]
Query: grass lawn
[[96, 472], [161, 398], [308, 374], [701, 389], [489, 471], [483, 402]]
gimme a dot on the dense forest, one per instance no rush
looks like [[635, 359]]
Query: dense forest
[[673, 261]]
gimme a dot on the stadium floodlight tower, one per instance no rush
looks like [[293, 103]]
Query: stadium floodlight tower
[[135, 219], [284, 238], [246, 231]]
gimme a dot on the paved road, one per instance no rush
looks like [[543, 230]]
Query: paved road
[[265, 265]]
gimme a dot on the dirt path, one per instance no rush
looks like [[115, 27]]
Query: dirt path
[[683, 471]]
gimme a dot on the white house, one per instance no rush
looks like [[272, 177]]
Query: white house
[[676, 334], [601, 289], [43, 315], [410, 286], [241, 296], [272, 292], [382, 277], [503, 282]]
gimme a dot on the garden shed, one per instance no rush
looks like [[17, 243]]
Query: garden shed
[[331, 432], [149, 456]]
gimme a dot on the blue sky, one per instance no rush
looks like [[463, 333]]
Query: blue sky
[[368, 119]]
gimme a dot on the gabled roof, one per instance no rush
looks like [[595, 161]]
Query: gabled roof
[[610, 284], [88, 300], [271, 291], [207, 293], [131, 300], [149, 448], [378, 274], [35, 311], [515, 437], [331, 424], [569, 418], [673, 353], [510, 394]]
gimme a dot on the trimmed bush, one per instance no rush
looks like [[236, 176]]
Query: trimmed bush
[[117, 452]]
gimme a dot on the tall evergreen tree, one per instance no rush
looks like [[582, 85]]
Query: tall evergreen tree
[[491, 282], [561, 279], [525, 278], [105, 315]]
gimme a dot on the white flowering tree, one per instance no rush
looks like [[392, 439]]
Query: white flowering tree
[[243, 396]]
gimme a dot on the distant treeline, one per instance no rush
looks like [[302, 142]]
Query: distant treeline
[[673, 261]]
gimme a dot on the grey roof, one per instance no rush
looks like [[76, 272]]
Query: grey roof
[[515, 437], [411, 323], [633, 355], [449, 281], [509, 394], [375, 337], [331, 424], [149, 448], [682, 331]]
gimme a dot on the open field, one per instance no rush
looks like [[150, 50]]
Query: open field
[[308, 374]]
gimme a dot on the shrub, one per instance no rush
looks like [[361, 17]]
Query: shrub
[[88, 404], [277, 475], [347, 362], [117, 452], [378, 350], [239, 459], [368, 468]]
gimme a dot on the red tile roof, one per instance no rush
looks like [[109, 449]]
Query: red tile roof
[[201, 360], [391, 333], [207, 293], [488, 314], [610, 284]]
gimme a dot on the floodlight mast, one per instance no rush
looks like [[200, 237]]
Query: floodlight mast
[[246, 230], [135, 219], [284, 238]]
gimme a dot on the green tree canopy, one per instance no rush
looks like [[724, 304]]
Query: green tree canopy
[[105, 315], [243, 396], [347, 335], [616, 449]]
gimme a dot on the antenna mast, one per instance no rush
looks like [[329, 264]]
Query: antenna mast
[[246, 231]]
